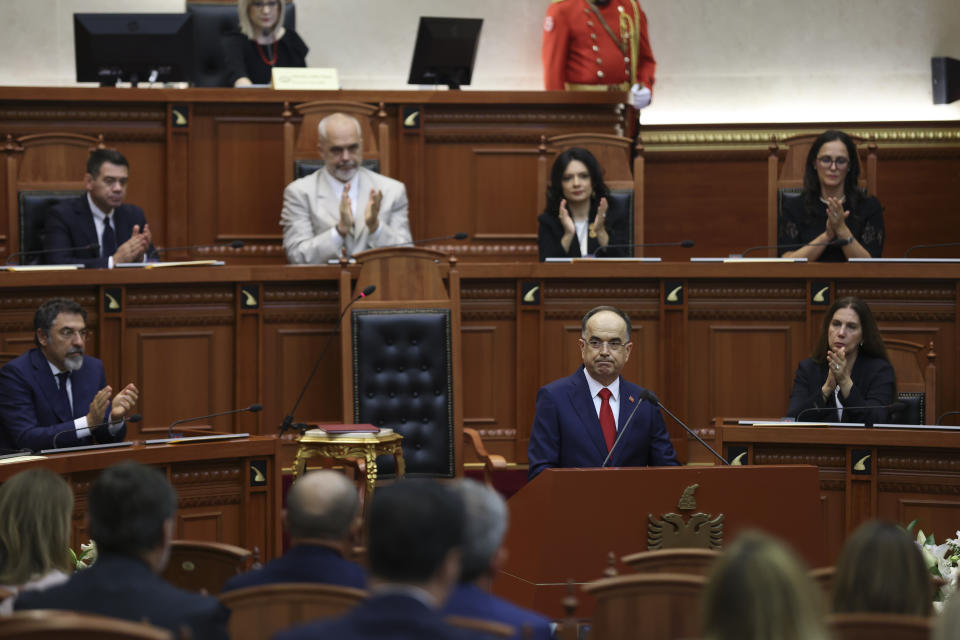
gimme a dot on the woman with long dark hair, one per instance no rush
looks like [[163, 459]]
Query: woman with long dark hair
[[832, 207], [849, 367], [578, 221]]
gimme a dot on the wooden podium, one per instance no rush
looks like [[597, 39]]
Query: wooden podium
[[565, 522]]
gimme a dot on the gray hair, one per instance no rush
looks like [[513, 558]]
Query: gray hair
[[243, 17], [485, 527], [322, 127]]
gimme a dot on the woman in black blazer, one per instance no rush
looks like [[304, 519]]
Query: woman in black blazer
[[849, 368], [577, 221]]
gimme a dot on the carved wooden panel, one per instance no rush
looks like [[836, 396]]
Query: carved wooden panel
[[749, 369], [488, 377], [503, 204], [289, 355]]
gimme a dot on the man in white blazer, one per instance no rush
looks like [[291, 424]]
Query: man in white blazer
[[343, 204]]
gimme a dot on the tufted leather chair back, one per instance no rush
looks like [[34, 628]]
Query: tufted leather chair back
[[403, 379], [33, 208]]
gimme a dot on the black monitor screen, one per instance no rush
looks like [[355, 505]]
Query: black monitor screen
[[134, 47], [445, 51]]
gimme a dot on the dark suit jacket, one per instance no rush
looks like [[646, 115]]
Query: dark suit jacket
[[304, 563], [125, 587], [389, 615], [550, 232], [32, 410], [873, 384], [566, 430], [473, 602], [70, 224]]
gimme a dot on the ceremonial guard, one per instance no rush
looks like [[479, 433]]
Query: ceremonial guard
[[598, 45]]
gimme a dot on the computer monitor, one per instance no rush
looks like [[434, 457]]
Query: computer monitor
[[445, 51], [134, 47]]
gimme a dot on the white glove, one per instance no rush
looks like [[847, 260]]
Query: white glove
[[639, 98]]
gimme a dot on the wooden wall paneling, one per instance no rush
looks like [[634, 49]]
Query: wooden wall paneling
[[717, 201], [861, 491], [210, 497], [409, 161], [505, 205], [531, 341], [179, 348], [298, 319], [833, 497], [918, 190], [110, 333], [249, 177], [741, 360], [490, 377], [204, 176], [248, 356], [178, 172], [934, 515], [676, 367]]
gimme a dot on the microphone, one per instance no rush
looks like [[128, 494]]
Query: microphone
[[254, 408], [93, 246], [930, 246], [893, 407], [652, 397], [288, 419], [836, 242], [686, 244], [944, 415], [623, 430], [136, 417], [235, 244]]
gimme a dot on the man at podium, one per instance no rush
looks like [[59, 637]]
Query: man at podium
[[580, 418]]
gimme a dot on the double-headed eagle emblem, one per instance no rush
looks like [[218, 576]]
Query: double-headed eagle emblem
[[671, 531]]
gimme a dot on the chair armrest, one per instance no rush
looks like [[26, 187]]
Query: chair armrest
[[491, 461]]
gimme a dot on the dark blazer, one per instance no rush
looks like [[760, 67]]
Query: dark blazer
[[390, 615], [32, 411], [242, 57], [550, 232], [304, 563], [566, 430], [873, 384], [70, 224], [471, 601], [125, 587], [797, 226]]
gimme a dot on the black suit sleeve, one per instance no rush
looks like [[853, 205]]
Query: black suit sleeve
[[549, 233], [61, 237], [807, 393]]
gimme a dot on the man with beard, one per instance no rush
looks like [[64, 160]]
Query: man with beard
[[342, 205], [579, 418], [54, 395]]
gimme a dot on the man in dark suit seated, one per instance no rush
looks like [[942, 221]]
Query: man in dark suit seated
[[54, 395], [322, 520], [416, 528], [98, 230], [578, 418], [131, 513], [485, 526]]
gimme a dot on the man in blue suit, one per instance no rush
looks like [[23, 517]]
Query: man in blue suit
[[98, 230], [54, 395], [579, 418], [416, 529], [322, 520], [131, 510], [482, 557]]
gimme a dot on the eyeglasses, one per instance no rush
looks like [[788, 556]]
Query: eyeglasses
[[839, 161], [269, 4], [67, 333], [597, 345]]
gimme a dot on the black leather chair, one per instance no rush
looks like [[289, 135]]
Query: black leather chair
[[915, 408], [403, 379], [33, 208], [211, 21]]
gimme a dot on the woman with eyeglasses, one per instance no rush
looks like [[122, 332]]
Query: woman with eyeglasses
[[262, 44], [832, 208]]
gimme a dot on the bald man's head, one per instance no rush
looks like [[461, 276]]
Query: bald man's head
[[340, 142], [322, 505]]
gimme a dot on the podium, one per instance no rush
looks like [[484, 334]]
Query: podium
[[565, 522]]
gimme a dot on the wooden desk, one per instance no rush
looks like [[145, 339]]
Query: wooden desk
[[227, 491], [895, 474], [197, 341]]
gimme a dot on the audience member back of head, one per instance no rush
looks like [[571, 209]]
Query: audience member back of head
[[881, 570], [759, 590], [131, 514]]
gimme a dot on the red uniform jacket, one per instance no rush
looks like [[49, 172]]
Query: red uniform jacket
[[577, 49]]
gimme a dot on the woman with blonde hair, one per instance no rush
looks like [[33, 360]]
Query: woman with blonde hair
[[35, 511], [261, 44], [759, 590]]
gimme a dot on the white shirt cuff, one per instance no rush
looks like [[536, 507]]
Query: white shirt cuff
[[80, 424]]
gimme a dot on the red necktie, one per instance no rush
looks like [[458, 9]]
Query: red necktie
[[607, 424]]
